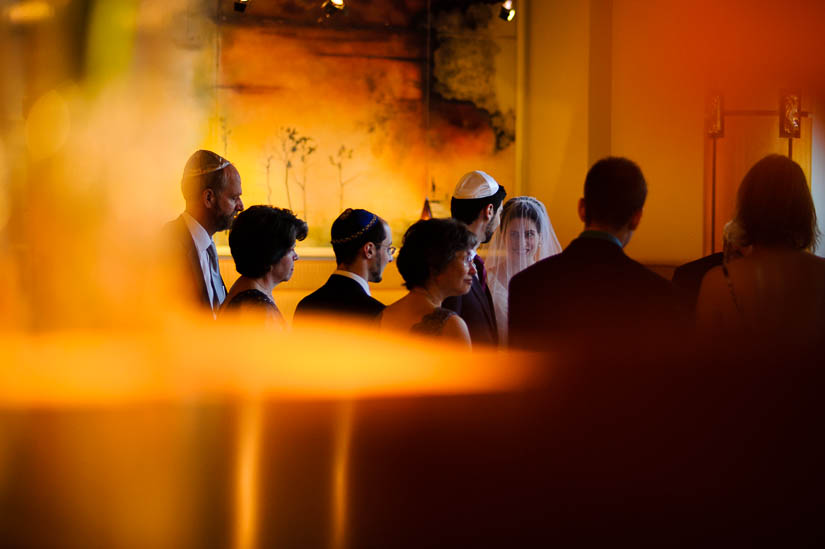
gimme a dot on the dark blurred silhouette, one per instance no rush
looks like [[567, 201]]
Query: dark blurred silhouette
[[776, 290], [592, 289], [671, 447]]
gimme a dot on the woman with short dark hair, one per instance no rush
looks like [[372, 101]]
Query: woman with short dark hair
[[436, 262], [777, 285], [262, 241]]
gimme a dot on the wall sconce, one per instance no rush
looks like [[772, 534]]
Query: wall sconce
[[790, 114], [240, 5], [715, 119], [507, 12]]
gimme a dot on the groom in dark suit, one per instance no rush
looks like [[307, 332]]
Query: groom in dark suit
[[362, 243], [592, 293], [477, 202]]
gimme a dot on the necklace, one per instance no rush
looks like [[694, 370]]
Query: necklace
[[256, 285], [427, 295]]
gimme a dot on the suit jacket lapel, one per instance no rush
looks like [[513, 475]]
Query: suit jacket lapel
[[485, 301], [194, 260]]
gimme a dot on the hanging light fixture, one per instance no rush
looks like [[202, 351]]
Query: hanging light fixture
[[333, 7], [507, 11], [240, 5]]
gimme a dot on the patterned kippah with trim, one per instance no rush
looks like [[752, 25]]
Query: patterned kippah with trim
[[358, 222], [203, 162]]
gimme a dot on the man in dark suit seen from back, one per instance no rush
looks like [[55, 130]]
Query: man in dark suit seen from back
[[477, 202], [592, 293], [362, 243]]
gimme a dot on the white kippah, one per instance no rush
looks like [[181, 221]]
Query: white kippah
[[475, 184]]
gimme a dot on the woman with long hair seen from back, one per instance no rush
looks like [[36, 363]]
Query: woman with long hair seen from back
[[525, 236], [777, 286], [436, 262]]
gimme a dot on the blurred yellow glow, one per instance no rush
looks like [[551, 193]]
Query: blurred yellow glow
[[5, 205], [111, 39], [94, 322], [162, 364], [48, 125], [246, 487], [29, 12], [340, 464]]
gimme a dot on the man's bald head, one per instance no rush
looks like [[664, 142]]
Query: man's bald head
[[205, 170], [212, 188]]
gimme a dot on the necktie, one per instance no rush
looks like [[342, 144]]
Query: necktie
[[218, 291], [482, 272]]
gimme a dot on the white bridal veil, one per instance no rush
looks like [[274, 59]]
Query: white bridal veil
[[524, 237]]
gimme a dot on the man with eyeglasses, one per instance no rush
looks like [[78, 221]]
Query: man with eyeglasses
[[362, 243]]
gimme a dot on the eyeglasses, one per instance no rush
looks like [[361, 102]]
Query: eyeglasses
[[390, 250]]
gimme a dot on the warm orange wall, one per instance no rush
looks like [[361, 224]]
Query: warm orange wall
[[657, 120], [653, 114], [665, 56], [556, 108]]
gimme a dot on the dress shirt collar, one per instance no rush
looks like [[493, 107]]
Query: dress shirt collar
[[355, 277], [199, 235], [601, 235]]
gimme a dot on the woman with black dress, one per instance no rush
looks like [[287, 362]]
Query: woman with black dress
[[262, 241], [436, 262]]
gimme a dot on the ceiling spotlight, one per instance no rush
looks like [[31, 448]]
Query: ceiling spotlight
[[332, 7], [507, 12], [240, 5]]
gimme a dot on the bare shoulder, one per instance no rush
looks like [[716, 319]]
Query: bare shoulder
[[456, 328], [715, 275], [813, 269], [714, 303], [389, 317], [400, 315], [814, 261], [713, 286]]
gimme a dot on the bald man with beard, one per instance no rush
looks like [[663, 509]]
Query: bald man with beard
[[211, 186]]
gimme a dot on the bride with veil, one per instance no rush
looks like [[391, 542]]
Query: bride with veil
[[525, 236]]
